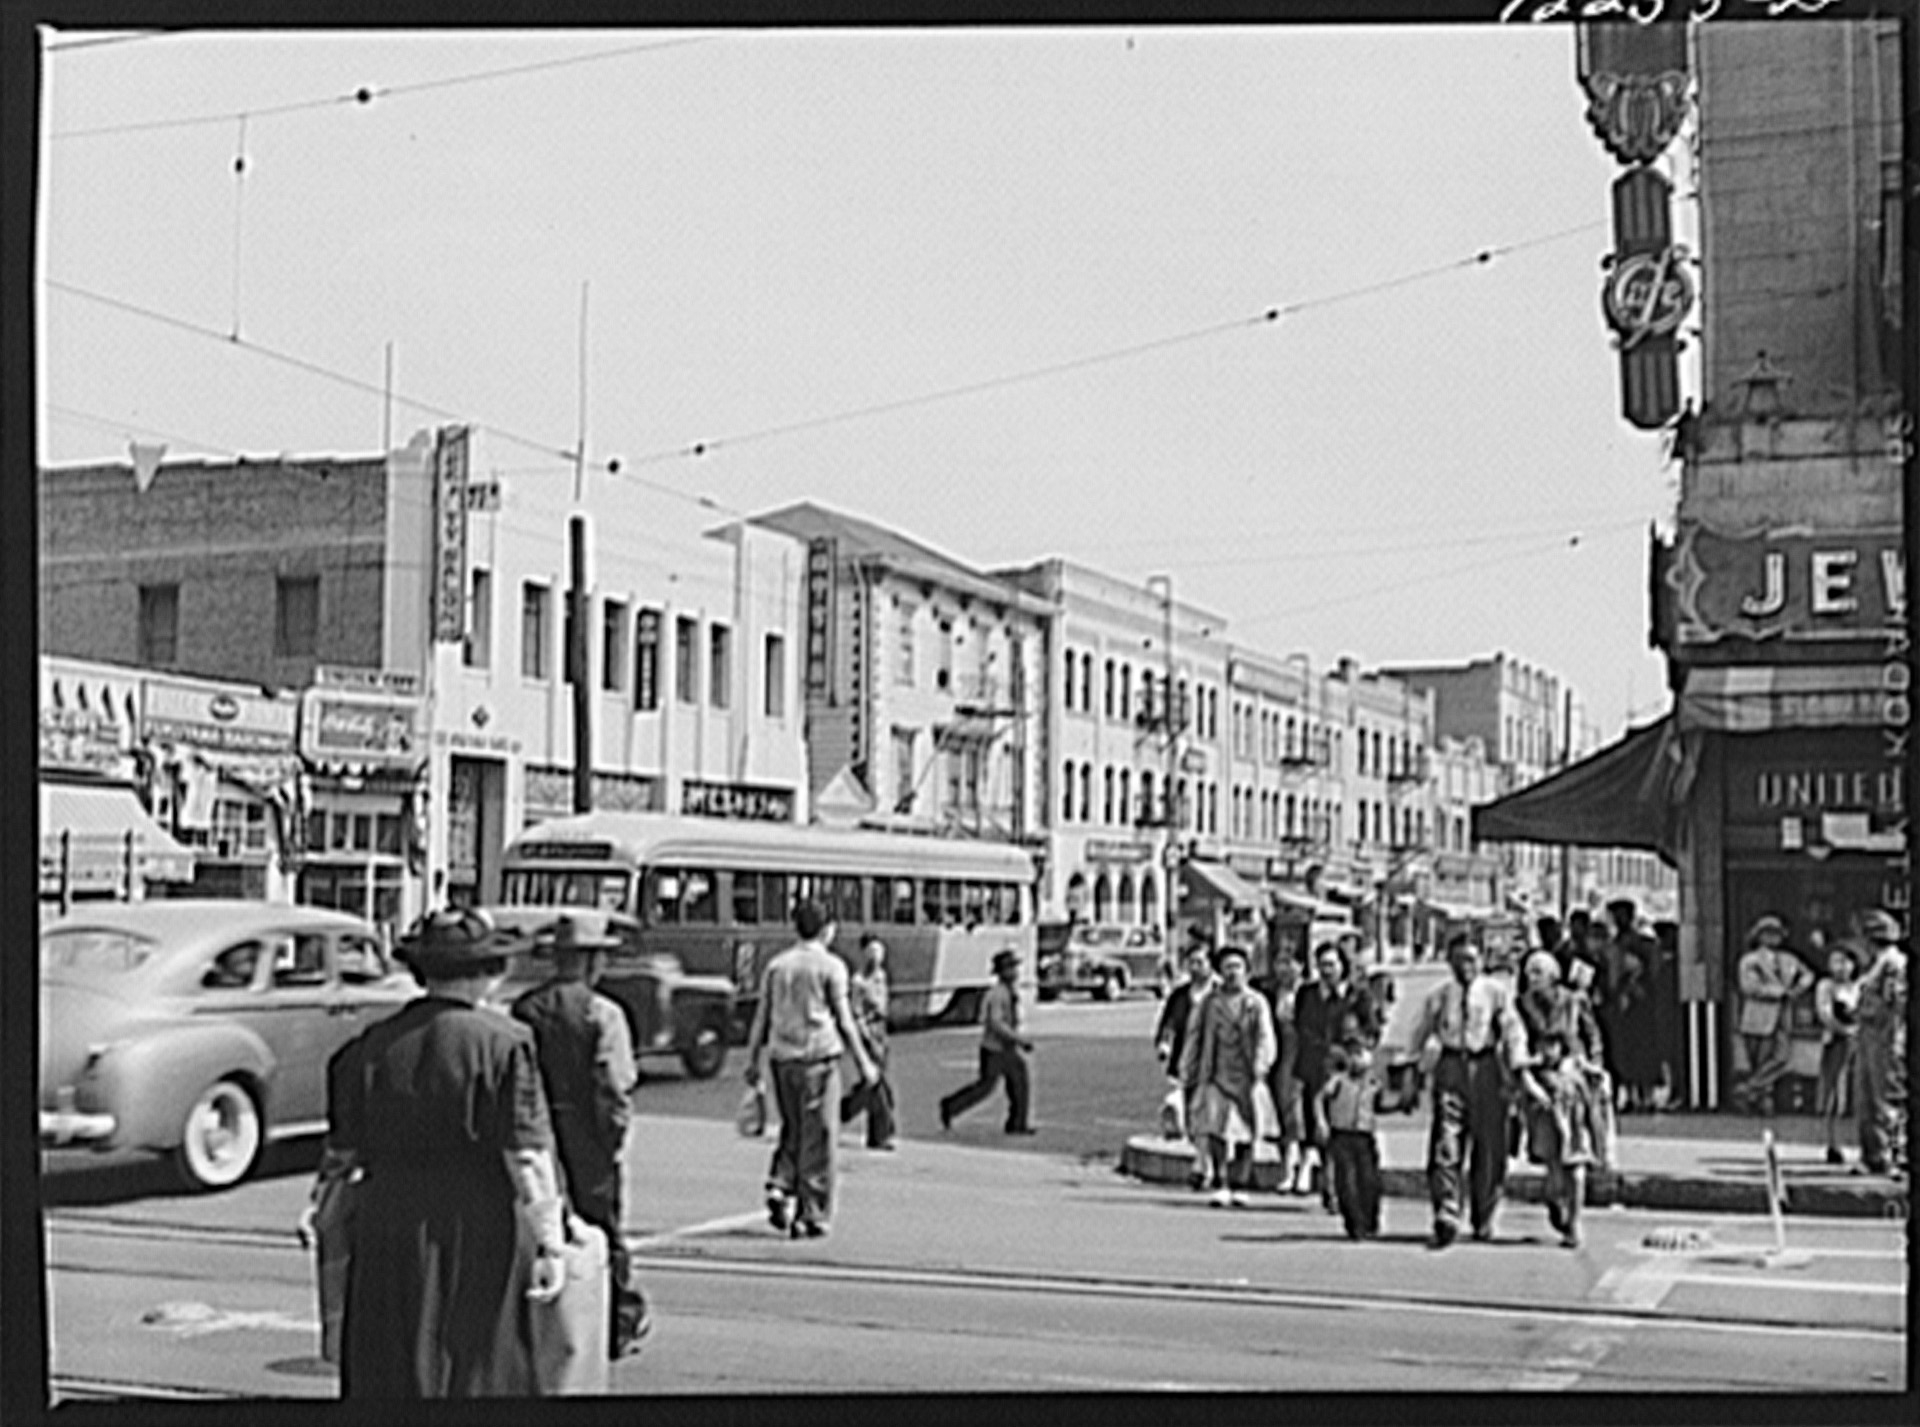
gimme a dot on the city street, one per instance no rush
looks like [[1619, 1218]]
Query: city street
[[959, 1264]]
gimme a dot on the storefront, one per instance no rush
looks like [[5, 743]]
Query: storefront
[[364, 846], [225, 778]]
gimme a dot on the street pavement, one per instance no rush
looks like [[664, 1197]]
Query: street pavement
[[1691, 1162]]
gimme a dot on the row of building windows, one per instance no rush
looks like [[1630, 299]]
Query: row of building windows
[[296, 621], [619, 673], [1197, 709]]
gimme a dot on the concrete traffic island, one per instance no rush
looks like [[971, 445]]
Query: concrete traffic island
[[1717, 1175]]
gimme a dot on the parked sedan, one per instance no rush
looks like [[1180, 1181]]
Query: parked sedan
[[670, 1010], [201, 1029]]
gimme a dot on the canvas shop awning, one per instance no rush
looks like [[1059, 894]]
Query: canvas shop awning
[[1214, 881], [1760, 698], [97, 822], [1626, 795]]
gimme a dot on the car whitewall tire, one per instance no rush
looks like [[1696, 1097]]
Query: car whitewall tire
[[220, 1139]]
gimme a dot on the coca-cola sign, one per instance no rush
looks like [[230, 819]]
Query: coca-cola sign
[[340, 727]]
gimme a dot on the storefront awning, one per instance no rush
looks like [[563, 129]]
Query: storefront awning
[[1217, 882], [1626, 795], [97, 821], [1300, 902], [1759, 698]]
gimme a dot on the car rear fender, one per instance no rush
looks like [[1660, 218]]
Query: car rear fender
[[149, 1083]]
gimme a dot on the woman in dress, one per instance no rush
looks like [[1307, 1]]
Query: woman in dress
[[1563, 1085], [457, 1221], [1836, 1002], [1229, 1050], [1321, 1010], [1289, 1112]]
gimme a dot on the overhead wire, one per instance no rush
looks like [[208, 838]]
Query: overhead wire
[[696, 449], [366, 94], [1265, 317]]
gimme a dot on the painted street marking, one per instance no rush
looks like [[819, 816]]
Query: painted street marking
[[193, 1320], [1812, 1285], [710, 1226]]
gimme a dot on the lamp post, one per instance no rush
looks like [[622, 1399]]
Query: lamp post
[[1162, 587]]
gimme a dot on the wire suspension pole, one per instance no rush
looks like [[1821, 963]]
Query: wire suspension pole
[[239, 206]]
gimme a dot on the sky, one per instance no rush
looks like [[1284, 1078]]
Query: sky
[[1307, 318]]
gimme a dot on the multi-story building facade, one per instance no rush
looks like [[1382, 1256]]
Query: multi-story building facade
[[1782, 607], [1135, 731], [1517, 712], [416, 616], [923, 681]]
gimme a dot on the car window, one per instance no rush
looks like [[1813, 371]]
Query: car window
[[361, 961], [300, 960], [94, 952], [234, 968]]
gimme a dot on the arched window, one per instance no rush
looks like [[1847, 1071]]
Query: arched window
[[1126, 691], [1149, 900], [1107, 689], [1149, 814], [1106, 795], [1086, 683], [1102, 898], [1066, 791], [1126, 804], [1086, 792], [1077, 895], [1123, 911], [1290, 809]]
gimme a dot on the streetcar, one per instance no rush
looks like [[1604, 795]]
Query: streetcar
[[719, 895]]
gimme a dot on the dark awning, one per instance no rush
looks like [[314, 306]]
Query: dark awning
[[1626, 795]]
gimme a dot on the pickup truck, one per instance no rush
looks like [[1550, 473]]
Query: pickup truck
[[670, 1010]]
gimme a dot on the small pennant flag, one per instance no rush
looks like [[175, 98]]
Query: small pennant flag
[[146, 461]]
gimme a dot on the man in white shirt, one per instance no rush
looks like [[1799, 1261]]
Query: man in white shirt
[[804, 1023], [1470, 1035], [1770, 977]]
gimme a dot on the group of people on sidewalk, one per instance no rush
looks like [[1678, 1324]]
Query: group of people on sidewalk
[[1302, 1069], [1858, 989]]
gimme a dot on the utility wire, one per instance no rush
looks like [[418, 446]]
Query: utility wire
[[366, 94], [1354, 596], [55, 46], [1482, 257], [1198, 334]]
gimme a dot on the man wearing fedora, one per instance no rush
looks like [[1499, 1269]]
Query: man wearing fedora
[[1003, 1051], [1770, 977], [1880, 1046], [586, 1063]]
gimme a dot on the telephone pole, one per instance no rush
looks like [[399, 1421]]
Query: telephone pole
[[577, 600]]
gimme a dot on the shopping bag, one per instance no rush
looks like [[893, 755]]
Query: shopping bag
[[570, 1331], [751, 1118], [332, 1246], [1173, 1115]]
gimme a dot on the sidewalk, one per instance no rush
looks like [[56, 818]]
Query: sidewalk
[[1696, 1162]]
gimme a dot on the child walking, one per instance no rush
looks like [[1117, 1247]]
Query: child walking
[[1350, 1103]]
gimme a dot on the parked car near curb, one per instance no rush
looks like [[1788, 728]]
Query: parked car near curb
[[1102, 959], [201, 1028], [670, 1010]]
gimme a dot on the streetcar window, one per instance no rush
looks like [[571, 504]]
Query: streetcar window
[[746, 899], [542, 888], [776, 903], [843, 900], [932, 891], [893, 901], [975, 903]]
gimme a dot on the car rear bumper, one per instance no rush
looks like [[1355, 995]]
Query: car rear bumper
[[64, 1125]]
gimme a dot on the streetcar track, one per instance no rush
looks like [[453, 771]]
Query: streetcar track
[[695, 1260]]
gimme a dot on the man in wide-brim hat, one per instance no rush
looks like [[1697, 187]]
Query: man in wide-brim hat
[[1003, 1051], [586, 1063], [1770, 977], [1879, 1065], [457, 1219]]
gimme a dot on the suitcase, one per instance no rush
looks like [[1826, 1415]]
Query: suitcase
[[570, 1332], [332, 1230]]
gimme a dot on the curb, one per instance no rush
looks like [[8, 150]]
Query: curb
[[1163, 1161]]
